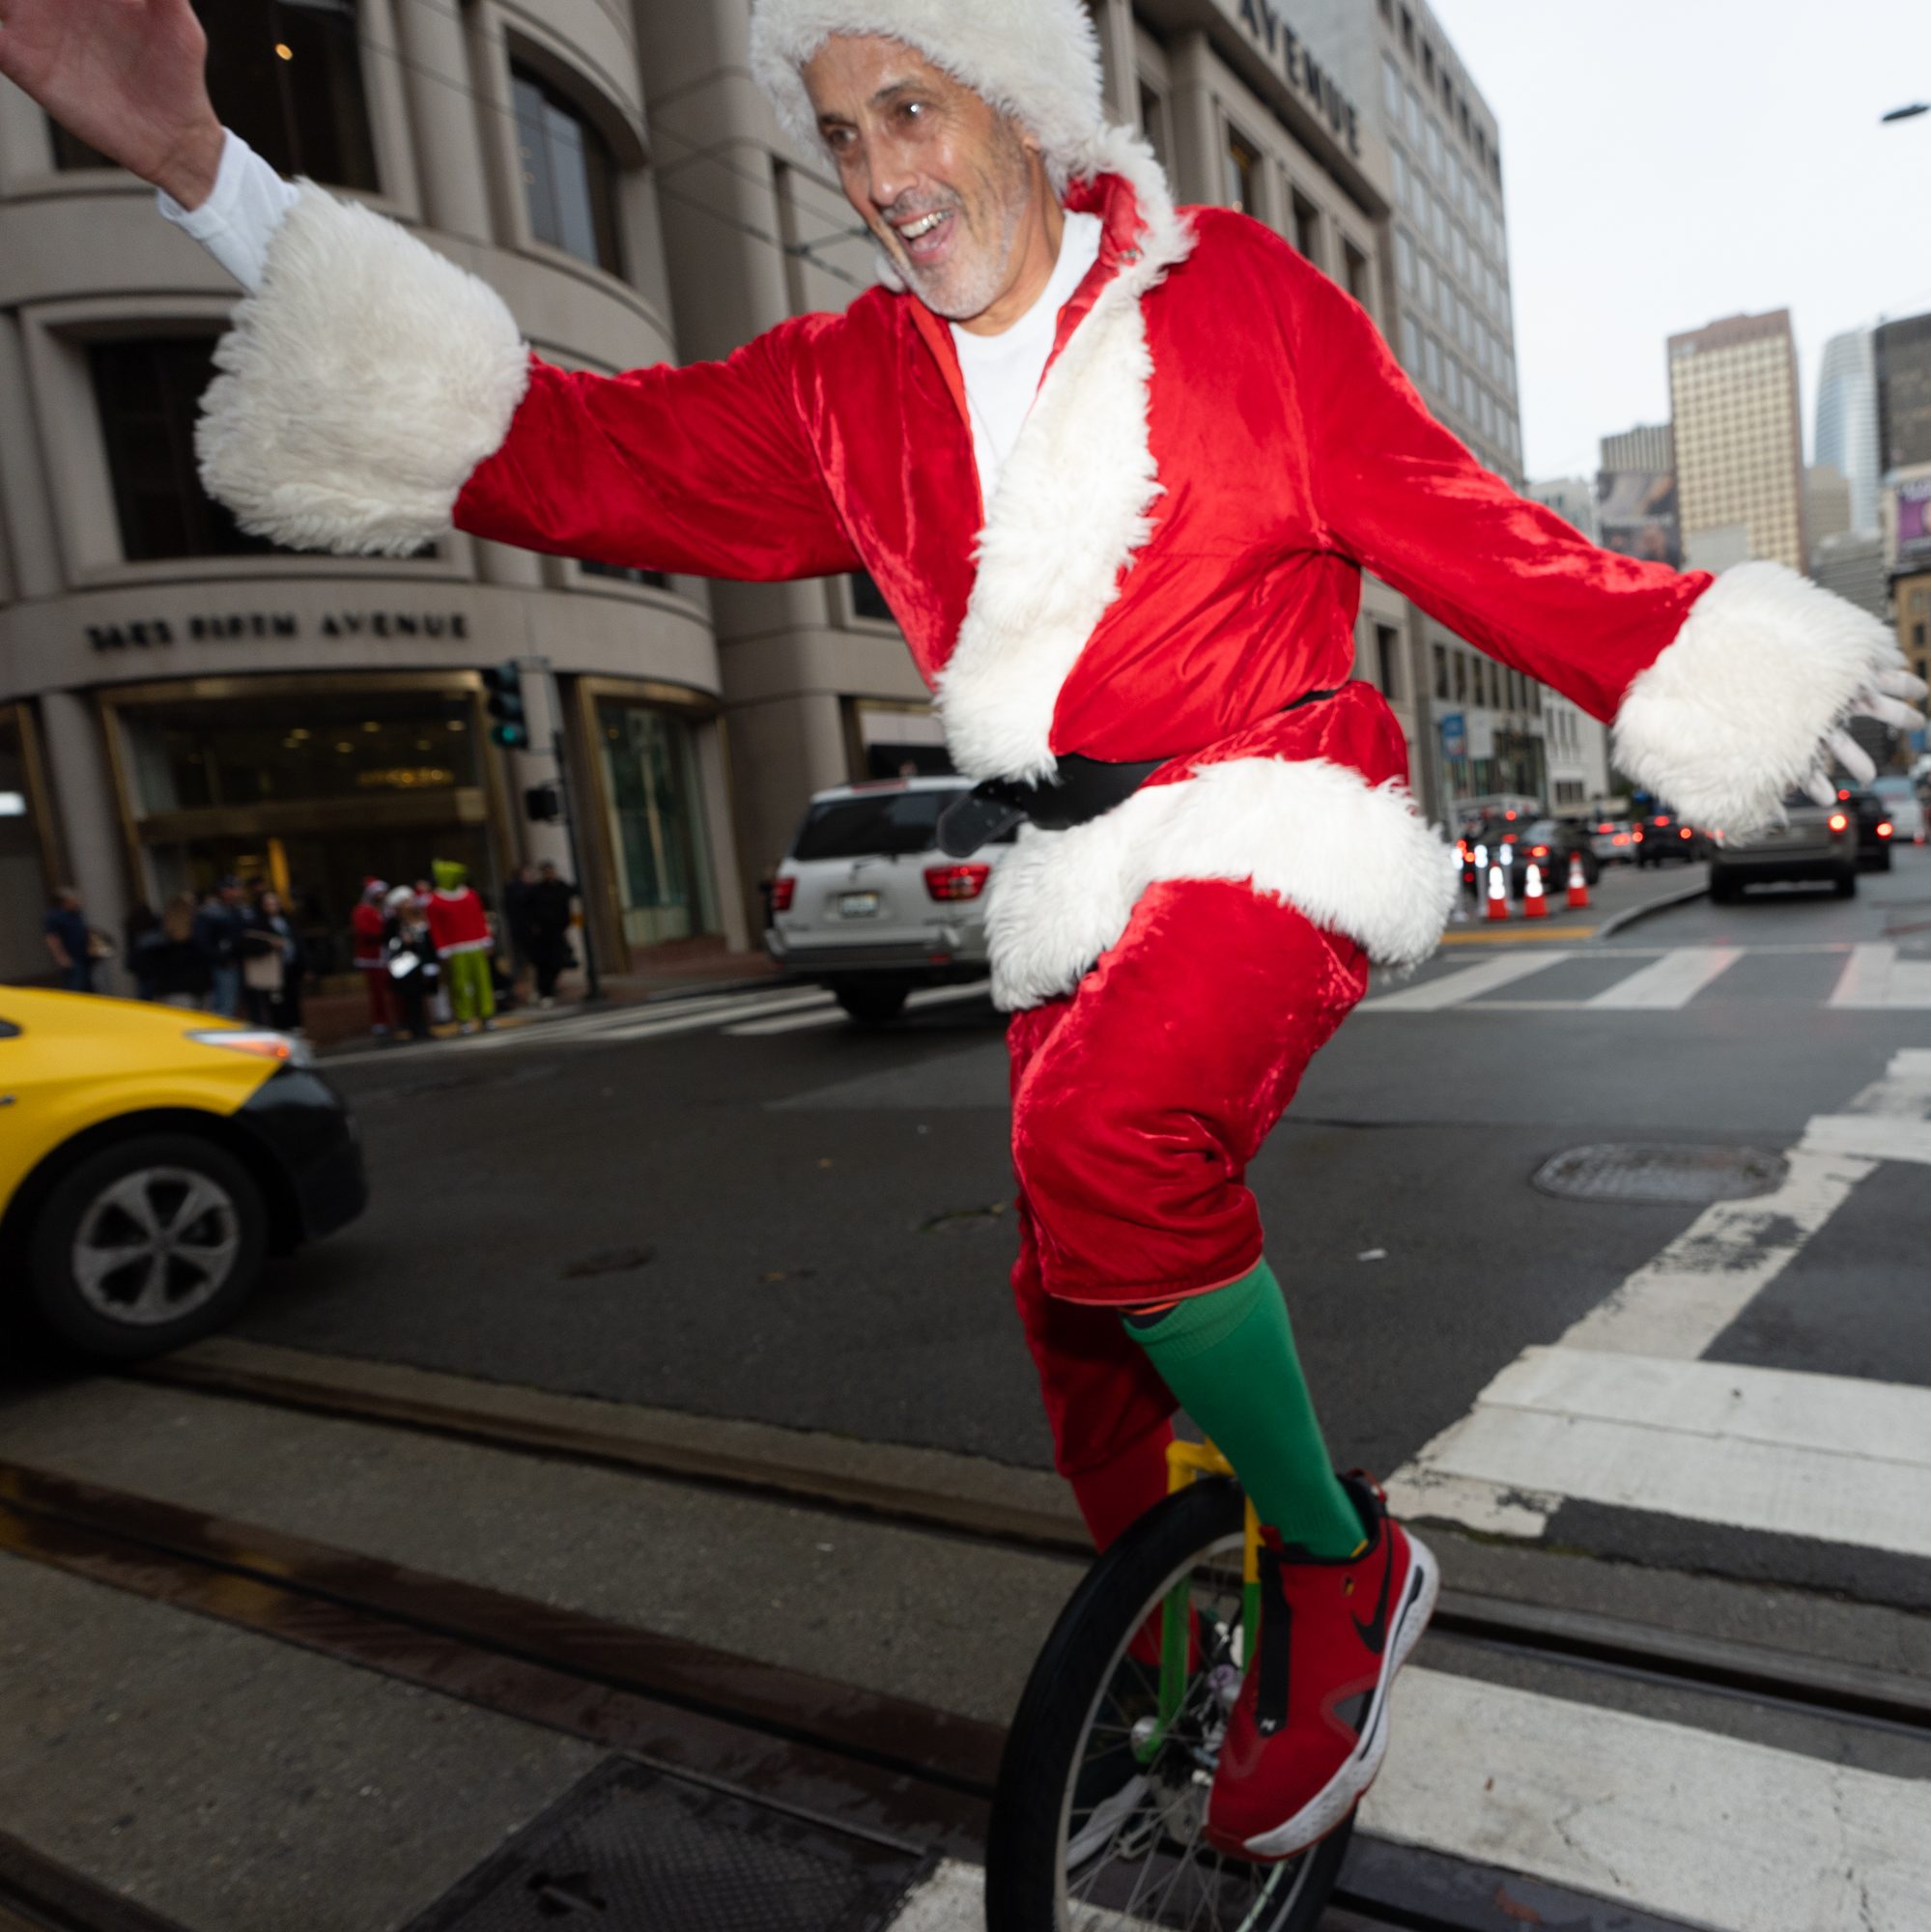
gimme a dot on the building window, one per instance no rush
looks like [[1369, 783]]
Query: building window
[[868, 599], [1153, 122], [1399, 166], [1412, 103], [1306, 220], [1405, 258], [1391, 89], [149, 393], [1387, 641], [1461, 679], [1243, 173], [569, 173], [287, 76], [1433, 139], [1428, 284], [1411, 344], [624, 572], [1355, 273], [1441, 672]]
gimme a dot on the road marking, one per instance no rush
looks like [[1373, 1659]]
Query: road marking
[[927, 996], [621, 1021], [1876, 980], [1680, 1302], [1661, 1817], [1873, 1136], [1668, 982], [667, 1024], [1826, 1457], [1469, 982]]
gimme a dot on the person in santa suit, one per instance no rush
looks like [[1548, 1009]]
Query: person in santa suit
[[368, 925], [1118, 467], [459, 926]]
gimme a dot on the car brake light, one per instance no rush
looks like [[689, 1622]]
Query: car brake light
[[1684, 833], [1539, 851], [1838, 821], [1605, 828], [957, 882], [1662, 818], [1637, 837], [1842, 793], [782, 892], [1886, 829], [262, 1043]]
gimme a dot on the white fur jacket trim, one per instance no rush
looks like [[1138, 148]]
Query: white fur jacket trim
[[1354, 857], [358, 388], [1732, 714]]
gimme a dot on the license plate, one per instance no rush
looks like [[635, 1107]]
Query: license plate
[[858, 905]]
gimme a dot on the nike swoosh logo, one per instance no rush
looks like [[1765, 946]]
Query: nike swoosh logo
[[1374, 1631]]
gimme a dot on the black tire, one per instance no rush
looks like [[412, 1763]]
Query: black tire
[[210, 1271], [872, 1001], [1723, 891], [1048, 1739], [1845, 884]]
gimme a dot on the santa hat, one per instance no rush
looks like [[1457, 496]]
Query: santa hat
[[373, 888], [1036, 60]]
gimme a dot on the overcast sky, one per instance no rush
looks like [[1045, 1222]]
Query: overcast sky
[[1669, 161]]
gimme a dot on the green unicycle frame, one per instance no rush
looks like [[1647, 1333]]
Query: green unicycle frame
[[1185, 1462]]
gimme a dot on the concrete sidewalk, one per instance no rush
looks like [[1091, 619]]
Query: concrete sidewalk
[[1620, 899]]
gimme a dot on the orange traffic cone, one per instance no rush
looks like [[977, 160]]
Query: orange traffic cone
[[1579, 885], [1535, 902], [1498, 894]]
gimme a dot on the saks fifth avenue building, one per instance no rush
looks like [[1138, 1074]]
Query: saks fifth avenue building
[[178, 700]]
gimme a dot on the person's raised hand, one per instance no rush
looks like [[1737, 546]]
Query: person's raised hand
[[127, 78]]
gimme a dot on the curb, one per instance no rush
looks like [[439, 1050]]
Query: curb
[[1632, 914]]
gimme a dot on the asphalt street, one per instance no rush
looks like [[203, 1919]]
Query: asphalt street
[[745, 1227]]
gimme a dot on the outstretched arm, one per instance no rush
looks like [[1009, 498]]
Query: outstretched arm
[[1725, 693]]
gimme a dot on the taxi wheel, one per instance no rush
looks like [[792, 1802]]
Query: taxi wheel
[[146, 1244], [871, 1003]]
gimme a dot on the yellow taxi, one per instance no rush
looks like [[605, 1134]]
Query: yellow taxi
[[149, 1158]]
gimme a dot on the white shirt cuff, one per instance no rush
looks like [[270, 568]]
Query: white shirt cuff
[[239, 217]]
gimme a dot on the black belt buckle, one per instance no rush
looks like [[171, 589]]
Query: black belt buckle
[[972, 819]]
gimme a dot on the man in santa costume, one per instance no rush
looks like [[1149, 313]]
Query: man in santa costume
[[368, 924], [459, 926], [1118, 467]]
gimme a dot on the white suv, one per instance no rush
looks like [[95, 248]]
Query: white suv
[[867, 905]]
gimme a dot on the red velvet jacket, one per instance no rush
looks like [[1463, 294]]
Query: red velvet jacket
[[1221, 445]]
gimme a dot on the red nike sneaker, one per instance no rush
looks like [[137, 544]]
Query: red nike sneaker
[[1310, 1726]]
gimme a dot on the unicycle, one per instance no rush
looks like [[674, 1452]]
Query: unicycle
[[1096, 1823]]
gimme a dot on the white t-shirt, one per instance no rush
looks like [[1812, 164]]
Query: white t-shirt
[[1002, 372]]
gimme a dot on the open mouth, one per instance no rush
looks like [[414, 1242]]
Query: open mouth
[[927, 238]]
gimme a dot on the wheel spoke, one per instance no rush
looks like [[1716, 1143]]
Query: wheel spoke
[[152, 1301], [200, 1196], [131, 1195], [95, 1265]]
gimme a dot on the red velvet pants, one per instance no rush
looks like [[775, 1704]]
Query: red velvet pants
[[1138, 1101]]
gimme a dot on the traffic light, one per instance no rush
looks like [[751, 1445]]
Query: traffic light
[[508, 725], [543, 805]]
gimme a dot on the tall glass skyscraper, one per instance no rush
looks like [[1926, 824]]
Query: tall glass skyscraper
[[1847, 421]]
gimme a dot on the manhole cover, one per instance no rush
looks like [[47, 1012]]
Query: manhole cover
[[1697, 1174], [636, 1851]]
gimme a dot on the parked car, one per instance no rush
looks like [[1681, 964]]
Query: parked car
[[1614, 841], [1551, 843], [1903, 807], [1662, 836], [1875, 827], [149, 1158], [1812, 843], [866, 904]]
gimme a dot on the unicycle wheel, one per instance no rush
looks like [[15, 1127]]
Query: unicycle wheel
[[1097, 1824]]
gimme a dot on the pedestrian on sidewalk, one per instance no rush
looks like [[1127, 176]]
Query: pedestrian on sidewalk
[[410, 961], [70, 942], [464, 943], [141, 925], [551, 902], [368, 929], [218, 932], [516, 926], [170, 961]]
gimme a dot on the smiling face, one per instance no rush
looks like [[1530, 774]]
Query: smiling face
[[955, 191]]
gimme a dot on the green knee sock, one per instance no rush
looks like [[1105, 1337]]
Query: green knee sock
[[1229, 1356]]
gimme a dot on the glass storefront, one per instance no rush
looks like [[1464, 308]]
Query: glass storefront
[[25, 888], [309, 789], [654, 822]]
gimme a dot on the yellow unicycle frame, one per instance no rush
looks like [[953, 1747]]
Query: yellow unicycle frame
[[1186, 1462]]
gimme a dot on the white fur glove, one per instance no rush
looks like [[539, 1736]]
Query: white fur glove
[[1890, 697]]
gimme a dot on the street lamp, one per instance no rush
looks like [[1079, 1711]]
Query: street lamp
[[1910, 113]]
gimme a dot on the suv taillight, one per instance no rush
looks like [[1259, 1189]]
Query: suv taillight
[[782, 892], [957, 882], [1838, 821]]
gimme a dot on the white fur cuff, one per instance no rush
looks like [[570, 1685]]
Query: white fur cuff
[[1351, 856], [1732, 716], [359, 387]]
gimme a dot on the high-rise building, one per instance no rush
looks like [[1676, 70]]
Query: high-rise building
[[1645, 447], [1635, 496], [1851, 564], [1902, 356], [1846, 436], [1577, 745], [1738, 432], [1827, 503]]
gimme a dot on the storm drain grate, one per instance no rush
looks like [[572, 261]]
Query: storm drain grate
[[1696, 1175], [632, 1850]]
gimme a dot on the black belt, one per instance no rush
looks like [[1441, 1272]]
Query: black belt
[[1082, 790]]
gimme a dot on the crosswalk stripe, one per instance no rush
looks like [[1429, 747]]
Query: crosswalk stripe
[[1876, 980], [1658, 1816], [1470, 982], [619, 1021], [1668, 982], [927, 996], [665, 1024]]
